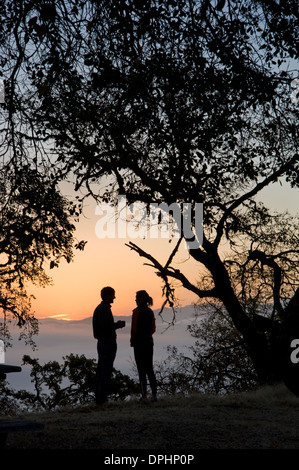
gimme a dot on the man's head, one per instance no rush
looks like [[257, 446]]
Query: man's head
[[108, 294]]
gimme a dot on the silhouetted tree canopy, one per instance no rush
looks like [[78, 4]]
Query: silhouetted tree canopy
[[35, 227], [217, 362], [170, 101]]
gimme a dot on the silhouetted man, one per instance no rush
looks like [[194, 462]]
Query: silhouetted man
[[104, 328]]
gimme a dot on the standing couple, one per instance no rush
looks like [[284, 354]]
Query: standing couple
[[142, 328]]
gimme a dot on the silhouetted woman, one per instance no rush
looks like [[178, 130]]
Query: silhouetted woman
[[142, 328]]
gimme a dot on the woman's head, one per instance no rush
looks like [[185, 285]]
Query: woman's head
[[142, 297]]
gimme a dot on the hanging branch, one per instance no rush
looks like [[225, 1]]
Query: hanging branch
[[167, 271]]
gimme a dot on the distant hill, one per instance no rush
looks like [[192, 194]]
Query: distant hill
[[58, 338], [183, 313]]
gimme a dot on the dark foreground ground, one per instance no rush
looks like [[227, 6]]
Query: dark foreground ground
[[265, 419]]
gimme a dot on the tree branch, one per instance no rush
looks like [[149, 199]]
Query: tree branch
[[270, 179], [167, 271], [269, 261]]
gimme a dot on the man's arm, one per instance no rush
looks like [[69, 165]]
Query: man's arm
[[103, 322]]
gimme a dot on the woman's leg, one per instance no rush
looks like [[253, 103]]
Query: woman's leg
[[141, 368], [150, 369]]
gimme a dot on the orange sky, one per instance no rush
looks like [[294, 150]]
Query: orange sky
[[76, 286]]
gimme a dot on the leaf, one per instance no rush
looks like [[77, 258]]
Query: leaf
[[81, 245], [220, 5]]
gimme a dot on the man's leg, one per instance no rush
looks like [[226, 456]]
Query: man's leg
[[106, 353]]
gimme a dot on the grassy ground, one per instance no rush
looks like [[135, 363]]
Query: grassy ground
[[265, 419]]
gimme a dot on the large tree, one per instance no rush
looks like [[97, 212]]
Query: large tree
[[174, 101], [37, 221], [37, 230]]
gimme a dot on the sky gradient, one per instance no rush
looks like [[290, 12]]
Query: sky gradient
[[76, 286]]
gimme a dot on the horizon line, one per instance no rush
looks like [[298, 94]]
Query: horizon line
[[61, 317]]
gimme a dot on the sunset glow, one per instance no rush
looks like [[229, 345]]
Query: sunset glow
[[76, 286]]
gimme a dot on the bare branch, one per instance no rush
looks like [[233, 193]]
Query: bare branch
[[173, 253], [268, 260], [168, 271], [270, 179]]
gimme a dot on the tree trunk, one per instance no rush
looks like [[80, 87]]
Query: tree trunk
[[270, 345], [259, 348], [286, 355]]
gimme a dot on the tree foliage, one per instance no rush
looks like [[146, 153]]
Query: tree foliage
[[37, 227], [175, 100], [70, 383], [185, 101], [218, 361], [37, 222]]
